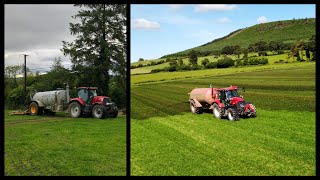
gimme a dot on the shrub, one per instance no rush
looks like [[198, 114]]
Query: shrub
[[205, 62], [225, 63], [211, 65]]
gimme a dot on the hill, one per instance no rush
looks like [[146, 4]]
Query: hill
[[287, 31]]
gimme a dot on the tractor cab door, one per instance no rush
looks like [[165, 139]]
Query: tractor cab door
[[222, 96], [84, 95]]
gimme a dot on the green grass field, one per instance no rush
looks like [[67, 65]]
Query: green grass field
[[60, 145], [166, 139]]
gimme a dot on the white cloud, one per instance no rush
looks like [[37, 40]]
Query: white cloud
[[175, 6], [262, 19], [224, 20], [214, 7], [37, 59], [145, 24]]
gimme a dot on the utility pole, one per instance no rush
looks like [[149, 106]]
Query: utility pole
[[25, 79]]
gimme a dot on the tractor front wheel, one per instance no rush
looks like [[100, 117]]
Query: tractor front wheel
[[232, 114], [114, 113], [34, 109], [75, 109], [98, 112]]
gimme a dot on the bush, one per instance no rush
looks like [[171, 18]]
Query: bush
[[225, 63], [156, 70], [238, 63], [211, 65], [281, 52], [205, 62], [262, 53]]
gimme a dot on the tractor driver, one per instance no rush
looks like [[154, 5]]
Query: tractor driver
[[83, 94]]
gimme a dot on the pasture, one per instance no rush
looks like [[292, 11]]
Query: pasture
[[63, 146], [166, 139]]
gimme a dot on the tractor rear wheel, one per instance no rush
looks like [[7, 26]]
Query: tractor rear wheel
[[75, 109], [254, 111], [194, 109], [217, 113], [34, 109], [232, 114], [99, 112]]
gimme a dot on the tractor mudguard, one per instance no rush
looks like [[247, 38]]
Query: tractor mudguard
[[79, 100]]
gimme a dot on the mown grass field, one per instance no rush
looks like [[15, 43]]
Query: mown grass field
[[60, 145], [166, 139]]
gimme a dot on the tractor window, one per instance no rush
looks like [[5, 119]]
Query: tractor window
[[232, 93], [83, 94], [93, 92]]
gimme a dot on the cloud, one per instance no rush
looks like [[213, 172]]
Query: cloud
[[37, 59], [214, 7], [262, 19], [224, 20], [145, 24], [175, 6], [37, 30]]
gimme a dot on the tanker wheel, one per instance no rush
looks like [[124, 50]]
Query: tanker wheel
[[33, 108], [232, 114], [216, 110], [99, 112], [195, 110], [75, 109]]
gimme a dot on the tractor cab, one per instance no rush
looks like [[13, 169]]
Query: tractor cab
[[87, 94], [229, 96]]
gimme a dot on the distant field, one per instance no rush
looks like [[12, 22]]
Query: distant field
[[271, 58], [63, 146], [166, 139], [167, 76]]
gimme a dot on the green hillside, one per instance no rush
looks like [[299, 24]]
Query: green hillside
[[286, 31]]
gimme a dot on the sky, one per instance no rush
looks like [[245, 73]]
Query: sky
[[37, 30], [158, 30]]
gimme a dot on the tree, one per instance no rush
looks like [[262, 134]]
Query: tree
[[245, 53], [205, 62], [99, 49], [237, 50], [57, 64], [296, 48], [141, 59], [193, 59], [273, 46]]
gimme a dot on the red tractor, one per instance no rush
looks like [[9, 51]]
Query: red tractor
[[223, 102], [89, 102]]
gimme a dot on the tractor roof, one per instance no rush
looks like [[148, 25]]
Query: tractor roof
[[227, 88], [91, 88]]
